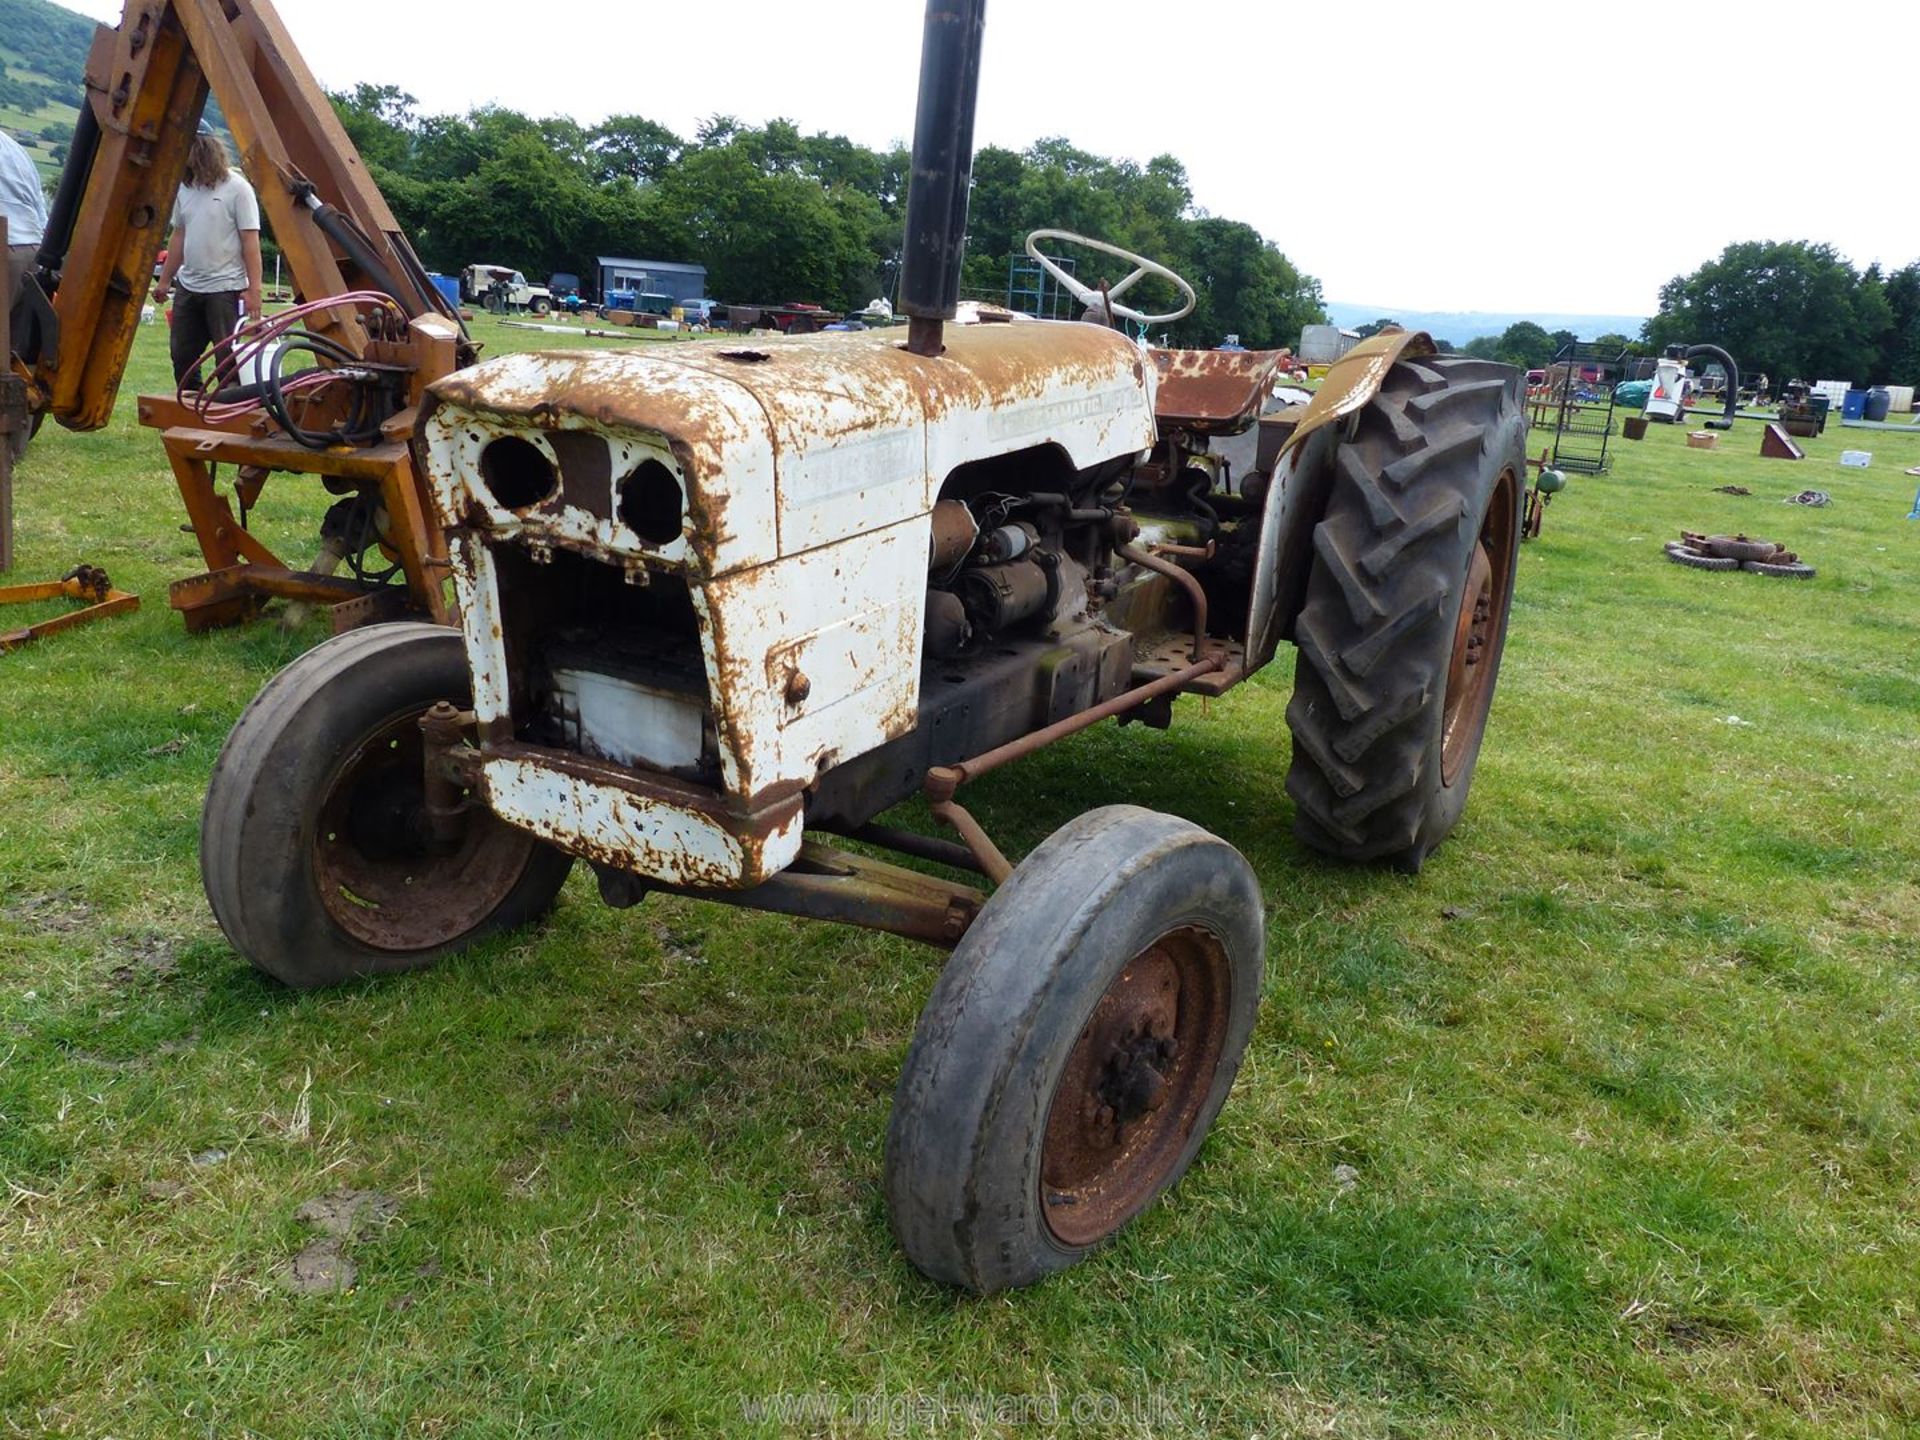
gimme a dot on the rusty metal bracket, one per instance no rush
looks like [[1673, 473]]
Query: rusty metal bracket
[[447, 771], [224, 596], [824, 883], [86, 584], [1186, 580], [943, 780]]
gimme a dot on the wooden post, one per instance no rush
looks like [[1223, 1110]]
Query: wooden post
[[6, 379]]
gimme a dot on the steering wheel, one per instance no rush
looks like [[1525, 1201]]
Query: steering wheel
[[1091, 297]]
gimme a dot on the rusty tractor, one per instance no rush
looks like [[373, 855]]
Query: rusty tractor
[[721, 605]]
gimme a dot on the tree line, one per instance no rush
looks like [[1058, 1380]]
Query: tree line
[[1796, 309], [1524, 344], [777, 215], [1784, 308]]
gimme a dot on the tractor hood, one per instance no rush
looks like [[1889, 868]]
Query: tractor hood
[[777, 446]]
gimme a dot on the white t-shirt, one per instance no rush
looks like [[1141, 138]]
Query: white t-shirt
[[210, 258], [21, 199]]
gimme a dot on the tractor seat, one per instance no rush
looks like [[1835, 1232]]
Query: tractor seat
[[1214, 392]]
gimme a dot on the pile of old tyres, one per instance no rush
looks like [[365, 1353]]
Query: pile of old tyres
[[1737, 552]]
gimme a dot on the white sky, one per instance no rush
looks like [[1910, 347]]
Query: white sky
[[1543, 156]]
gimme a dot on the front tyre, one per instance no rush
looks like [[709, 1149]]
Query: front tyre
[[1076, 1048], [314, 847], [1406, 611]]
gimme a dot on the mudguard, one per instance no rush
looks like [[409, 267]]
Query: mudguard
[[1298, 492]]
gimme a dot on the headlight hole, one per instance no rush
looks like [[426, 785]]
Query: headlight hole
[[518, 473], [651, 504]]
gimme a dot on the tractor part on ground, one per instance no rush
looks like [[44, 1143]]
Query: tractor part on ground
[[1681, 555], [85, 585], [375, 330], [1776, 444], [1737, 552], [699, 631]]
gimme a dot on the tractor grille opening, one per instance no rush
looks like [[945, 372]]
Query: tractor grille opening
[[651, 504], [518, 473], [605, 668]]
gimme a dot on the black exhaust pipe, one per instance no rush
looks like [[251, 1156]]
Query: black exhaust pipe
[[1714, 352], [942, 169]]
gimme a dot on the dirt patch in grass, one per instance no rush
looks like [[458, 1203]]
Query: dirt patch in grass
[[143, 957], [324, 1267], [347, 1214], [49, 912]]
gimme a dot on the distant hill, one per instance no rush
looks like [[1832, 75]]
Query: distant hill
[[43, 56], [1460, 326]]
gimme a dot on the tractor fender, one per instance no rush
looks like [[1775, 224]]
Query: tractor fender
[[1302, 475]]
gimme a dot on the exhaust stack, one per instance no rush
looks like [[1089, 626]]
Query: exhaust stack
[[942, 169]]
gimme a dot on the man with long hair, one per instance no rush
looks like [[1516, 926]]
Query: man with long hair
[[214, 254]]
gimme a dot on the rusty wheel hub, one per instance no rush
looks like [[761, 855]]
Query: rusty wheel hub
[[1478, 631], [1134, 1087], [381, 875]]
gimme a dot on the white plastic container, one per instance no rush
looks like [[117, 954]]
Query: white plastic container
[[1858, 459], [259, 365]]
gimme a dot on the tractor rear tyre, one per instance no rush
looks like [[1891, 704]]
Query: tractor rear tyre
[[314, 847], [1406, 611], [1076, 1048]]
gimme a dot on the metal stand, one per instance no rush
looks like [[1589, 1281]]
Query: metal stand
[[87, 583], [1581, 428]]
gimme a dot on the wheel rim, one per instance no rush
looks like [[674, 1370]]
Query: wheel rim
[[1133, 1090], [1479, 631], [380, 876]]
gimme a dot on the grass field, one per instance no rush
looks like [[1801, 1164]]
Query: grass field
[[1626, 1079]]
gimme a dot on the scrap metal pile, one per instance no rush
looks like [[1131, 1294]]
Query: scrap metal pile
[[1737, 552]]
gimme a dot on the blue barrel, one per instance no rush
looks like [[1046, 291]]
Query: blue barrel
[[449, 286], [1879, 402], [1854, 407]]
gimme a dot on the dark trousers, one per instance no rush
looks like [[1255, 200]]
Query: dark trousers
[[200, 321], [19, 262]]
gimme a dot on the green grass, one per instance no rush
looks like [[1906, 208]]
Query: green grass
[[1628, 1075]]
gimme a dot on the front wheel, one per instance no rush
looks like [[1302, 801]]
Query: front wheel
[[1076, 1048], [314, 847], [1406, 611]]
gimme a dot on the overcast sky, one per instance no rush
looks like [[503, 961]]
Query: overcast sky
[[1536, 156]]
